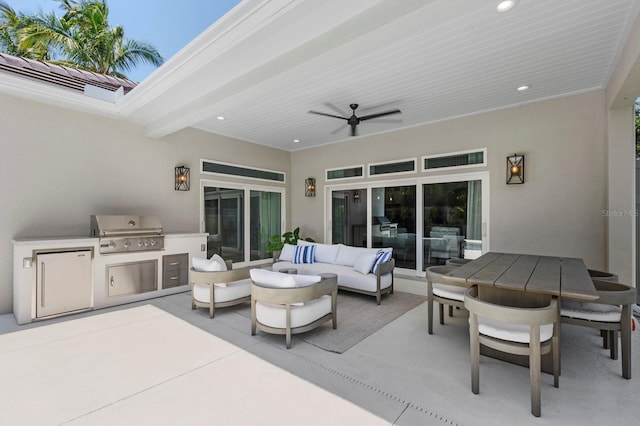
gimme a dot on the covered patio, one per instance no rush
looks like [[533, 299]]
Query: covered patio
[[212, 371]]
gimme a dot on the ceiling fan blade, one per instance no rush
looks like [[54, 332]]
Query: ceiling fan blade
[[378, 107], [339, 129], [328, 115], [335, 108], [386, 120], [380, 114]]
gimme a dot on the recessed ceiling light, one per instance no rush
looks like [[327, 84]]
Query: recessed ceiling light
[[523, 88], [220, 117], [296, 140], [506, 5]]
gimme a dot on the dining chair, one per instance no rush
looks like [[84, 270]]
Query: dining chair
[[603, 276], [531, 331], [443, 290], [611, 312]]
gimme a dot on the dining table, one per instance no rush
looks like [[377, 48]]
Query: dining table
[[525, 280]]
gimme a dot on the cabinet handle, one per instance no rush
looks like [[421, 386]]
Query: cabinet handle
[[174, 263], [174, 278], [43, 286], [111, 281]]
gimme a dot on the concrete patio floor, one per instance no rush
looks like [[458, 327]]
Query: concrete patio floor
[[192, 368]]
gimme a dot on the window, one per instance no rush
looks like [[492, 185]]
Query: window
[[345, 173], [393, 168], [217, 168], [453, 160]]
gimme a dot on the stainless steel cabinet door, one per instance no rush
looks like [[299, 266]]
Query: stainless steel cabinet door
[[132, 278], [63, 282]]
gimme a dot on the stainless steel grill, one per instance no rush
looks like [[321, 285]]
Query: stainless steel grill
[[127, 233]]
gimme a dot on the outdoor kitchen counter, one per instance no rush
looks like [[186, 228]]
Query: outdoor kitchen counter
[[24, 270]]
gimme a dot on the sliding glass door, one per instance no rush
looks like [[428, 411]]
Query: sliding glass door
[[349, 217], [240, 220], [452, 216], [425, 220], [393, 222]]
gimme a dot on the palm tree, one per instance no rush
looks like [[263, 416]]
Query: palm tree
[[12, 24], [80, 38]]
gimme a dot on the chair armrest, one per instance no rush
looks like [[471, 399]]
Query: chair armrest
[[197, 277], [386, 267]]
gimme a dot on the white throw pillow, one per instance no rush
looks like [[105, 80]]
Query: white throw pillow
[[326, 253], [364, 263], [347, 255], [286, 255], [306, 280], [268, 278], [215, 264]]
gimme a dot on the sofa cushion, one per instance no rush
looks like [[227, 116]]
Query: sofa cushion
[[304, 254], [287, 252], [347, 255], [364, 263], [215, 264], [326, 253], [381, 257], [304, 243]]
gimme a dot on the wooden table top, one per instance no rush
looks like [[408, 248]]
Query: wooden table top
[[557, 276]]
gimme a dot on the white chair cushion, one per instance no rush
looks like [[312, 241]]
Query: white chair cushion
[[287, 252], [326, 253], [591, 311], [452, 292], [511, 332], [215, 264], [267, 278], [272, 279], [364, 263], [233, 290], [275, 315]]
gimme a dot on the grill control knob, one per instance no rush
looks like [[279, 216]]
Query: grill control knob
[[112, 244], [146, 243], [127, 244], [140, 243], [153, 242]]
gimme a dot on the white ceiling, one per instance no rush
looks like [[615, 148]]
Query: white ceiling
[[268, 62]]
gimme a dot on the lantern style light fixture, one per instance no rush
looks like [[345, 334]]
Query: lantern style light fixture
[[310, 187], [515, 169], [183, 178], [356, 196]]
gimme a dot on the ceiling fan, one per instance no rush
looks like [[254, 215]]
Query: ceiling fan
[[354, 120]]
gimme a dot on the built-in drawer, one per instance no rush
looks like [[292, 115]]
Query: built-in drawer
[[175, 270]]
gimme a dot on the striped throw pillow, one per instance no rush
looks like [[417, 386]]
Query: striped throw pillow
[[304, 254], [381, 257]]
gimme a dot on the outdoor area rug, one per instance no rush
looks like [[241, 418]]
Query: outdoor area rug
[[358, 318]]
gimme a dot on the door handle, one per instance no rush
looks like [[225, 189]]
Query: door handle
[[111, 281], [42, 285]]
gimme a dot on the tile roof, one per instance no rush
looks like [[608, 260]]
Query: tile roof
[[60, 75]]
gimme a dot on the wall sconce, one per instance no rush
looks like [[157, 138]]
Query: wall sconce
[[356, 197], [515, 169], [182, 178], [310, 187]]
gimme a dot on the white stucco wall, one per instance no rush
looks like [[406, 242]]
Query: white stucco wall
[[58, 167], [558, 211]]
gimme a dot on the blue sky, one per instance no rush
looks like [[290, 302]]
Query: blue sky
[[168, 25]]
